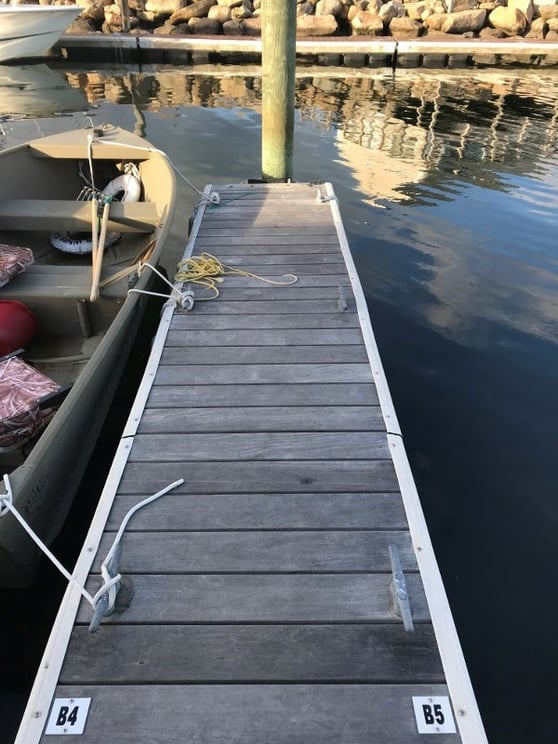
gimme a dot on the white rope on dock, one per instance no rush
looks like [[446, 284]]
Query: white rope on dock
[[110, 579]]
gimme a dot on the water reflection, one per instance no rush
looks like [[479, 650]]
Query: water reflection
[[447, 183]]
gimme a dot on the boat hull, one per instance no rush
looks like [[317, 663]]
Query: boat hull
[[28, 31], [46, 484]]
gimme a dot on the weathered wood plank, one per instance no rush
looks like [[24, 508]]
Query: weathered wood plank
[[274, 216], [246, 511], [183, 354], [278, 262], [265, 291], [188, 395], [264, 307], [261, 552], [266, 445], [293, 242], [314, 232], [269, 653], [233, 280], [265, 598], [262, 477], [263, 374], [265, 337], [253, 714], [261, 419], [189, 321]]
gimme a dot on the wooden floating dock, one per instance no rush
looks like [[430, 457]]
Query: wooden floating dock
[[257, 598]]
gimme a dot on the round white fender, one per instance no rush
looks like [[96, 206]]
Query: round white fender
[[125, 188]]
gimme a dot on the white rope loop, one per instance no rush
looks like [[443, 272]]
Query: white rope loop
[[184, 299], [110, 581]]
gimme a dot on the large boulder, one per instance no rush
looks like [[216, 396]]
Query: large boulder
[[405, 28], [464, 21], [548, 11], [367, 24], [390, 10], [454, 6], [252, 26], [219, 13], [164, 7], [435, 21], [199, 9], [509, 20], [204, 26], [525, 6], [329, 7], [324, 25]]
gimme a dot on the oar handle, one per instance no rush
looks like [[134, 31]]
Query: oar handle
[[98, 250]]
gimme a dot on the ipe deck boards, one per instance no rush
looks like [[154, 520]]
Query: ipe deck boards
[[256, 604]]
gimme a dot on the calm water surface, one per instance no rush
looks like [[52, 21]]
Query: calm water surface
[[448, 185]]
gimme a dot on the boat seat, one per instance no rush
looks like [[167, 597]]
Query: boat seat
[[67, 215], [28, 401]]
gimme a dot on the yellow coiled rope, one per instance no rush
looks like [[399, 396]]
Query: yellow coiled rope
[[206, 270]]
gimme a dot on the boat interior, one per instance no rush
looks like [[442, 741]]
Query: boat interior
[[48, 199]]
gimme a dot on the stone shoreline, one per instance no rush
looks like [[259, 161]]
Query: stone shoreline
[[393, 20]]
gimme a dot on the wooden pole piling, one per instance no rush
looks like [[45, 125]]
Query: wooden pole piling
[[278, 87]]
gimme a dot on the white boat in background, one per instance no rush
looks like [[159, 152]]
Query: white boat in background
[[28, 31]]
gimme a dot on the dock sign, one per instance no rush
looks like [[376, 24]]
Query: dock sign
[[68, 716], [433, 715]]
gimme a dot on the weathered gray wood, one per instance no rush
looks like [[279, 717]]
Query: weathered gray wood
[[233, 280], [255, 445], [187, 395], [261, 477], [302, 214], [189, 321], [270, 563], [253, 714], [295, 242], [261, 552], [285, 291], [314, 232], [261, 419], [271, 653], [182, 354], [264, 598], [263, 374], [246, 511], [265, 337], [263, 307], [277, 262]]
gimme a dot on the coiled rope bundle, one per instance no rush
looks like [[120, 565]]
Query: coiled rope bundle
[[206, 271]]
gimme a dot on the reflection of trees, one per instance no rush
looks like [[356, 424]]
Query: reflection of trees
[[442, 122]]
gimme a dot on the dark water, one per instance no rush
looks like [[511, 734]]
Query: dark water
[[448, 186]]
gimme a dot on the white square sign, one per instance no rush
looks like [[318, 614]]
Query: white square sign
[[434, 715], [68, 716]]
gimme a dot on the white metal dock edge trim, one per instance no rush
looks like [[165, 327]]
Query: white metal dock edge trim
[[41, 697], [471, 727]]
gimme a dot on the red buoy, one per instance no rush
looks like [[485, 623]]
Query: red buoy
[[18, 325]]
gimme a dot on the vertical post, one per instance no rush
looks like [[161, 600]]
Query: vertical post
[[125, 11], [278, 88]]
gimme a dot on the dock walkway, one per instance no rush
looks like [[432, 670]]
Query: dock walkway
[[257, 599]]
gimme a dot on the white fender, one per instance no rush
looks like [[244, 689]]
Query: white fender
[[125, 188], [127, 185]]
